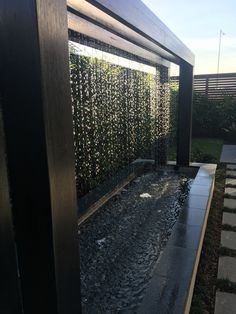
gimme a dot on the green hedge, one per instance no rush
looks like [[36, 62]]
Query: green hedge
[[214, 118], [211, 118], [118, 113]]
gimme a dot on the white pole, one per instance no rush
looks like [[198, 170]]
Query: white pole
[[218, 64]]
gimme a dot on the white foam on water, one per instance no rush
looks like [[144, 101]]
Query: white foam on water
[[145, 195]]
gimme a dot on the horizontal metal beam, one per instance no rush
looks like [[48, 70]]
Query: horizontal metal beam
[[90, 29], [164, 43], [137, 22]]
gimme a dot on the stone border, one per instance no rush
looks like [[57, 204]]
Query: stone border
[[171, 288]]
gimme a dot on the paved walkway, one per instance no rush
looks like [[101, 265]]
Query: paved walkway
[[228, 155], [226, 302]]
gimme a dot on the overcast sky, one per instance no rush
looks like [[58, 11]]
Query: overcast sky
[[197, 23]]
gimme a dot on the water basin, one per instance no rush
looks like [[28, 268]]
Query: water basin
[[122, 242]]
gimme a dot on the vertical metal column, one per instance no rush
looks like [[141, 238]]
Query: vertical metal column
[[185, 114], [37, 115], [163, 117], [10, 301]]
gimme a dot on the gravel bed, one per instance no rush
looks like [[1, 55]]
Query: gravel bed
[[123, 240]]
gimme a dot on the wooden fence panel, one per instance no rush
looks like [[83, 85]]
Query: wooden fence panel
[[214, 86]]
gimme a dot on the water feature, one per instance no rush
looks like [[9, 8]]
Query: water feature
[[120, 243], [120, 111], [120, 114]]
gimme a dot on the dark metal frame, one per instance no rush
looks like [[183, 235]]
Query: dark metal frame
[[10, 299], [184, 132], [37, 118], [38, 126], [119, 22], [134, 21]]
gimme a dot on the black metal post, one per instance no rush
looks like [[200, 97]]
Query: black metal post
[[10, 301], [185, 114], [39, 142], [163, 127]]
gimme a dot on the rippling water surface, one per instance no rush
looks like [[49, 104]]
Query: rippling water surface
[[121, 243]]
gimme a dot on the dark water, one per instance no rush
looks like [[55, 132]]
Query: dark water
[[121, 243]]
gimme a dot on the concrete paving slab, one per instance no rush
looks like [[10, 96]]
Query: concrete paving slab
[[230, 203], [231, 167], [225, 303], [230, 181], [228, 239], [231, 192], [230, 173], [228, 154], [227, 268], [229, 219], [207, 170]]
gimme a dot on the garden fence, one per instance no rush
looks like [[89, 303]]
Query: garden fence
[[214, 86]]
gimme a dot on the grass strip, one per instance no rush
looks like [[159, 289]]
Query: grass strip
[[225, 285], [230, 176], [229, 185], [226, 195], [227, 227], [224, 251], [229, 210]]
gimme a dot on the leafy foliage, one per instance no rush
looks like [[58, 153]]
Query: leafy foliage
[[198, 155], [118, 113], [211, 118], [206, 150], [214, 118]]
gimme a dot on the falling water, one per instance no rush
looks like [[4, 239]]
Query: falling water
[[119, 114]]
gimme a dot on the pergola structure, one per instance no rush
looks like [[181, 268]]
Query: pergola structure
[[38, 218]]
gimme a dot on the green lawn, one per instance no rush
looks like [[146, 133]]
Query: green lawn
[[203, 150], [206, 147]]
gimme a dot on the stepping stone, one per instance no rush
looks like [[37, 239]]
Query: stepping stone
[[229, 219], [228, 239], [228, 154], [230, 203], [230, 173], [230, 181], [227, 268], [231, 192], [225, 303], [231, 167]]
